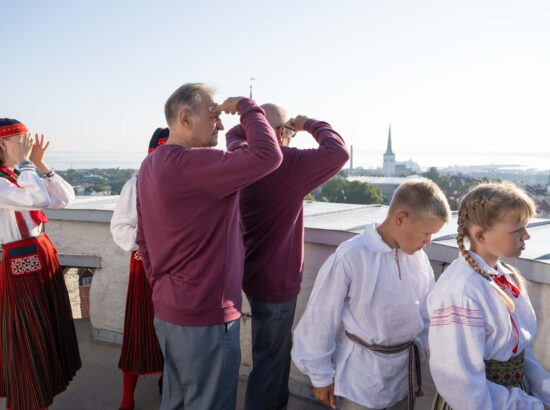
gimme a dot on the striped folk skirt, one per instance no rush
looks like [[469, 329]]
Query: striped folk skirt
[[141, 352], [39, 355], [509, 374]]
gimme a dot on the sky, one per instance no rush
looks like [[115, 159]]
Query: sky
[[462, 76]]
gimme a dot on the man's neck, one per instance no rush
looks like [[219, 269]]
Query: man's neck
[[178, 140]]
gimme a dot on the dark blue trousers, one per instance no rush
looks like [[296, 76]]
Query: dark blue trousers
[[267, 387], [201, 365]]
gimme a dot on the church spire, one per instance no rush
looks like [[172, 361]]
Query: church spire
[[389, 150]]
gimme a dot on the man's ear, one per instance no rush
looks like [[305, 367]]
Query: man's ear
[[185, 118], [280, 134]]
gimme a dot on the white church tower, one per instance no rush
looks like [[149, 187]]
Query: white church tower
[[389, 158]]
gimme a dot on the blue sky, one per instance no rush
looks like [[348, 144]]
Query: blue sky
[[471, 76]]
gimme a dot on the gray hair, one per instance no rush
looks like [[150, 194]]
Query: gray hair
[[188, 94]]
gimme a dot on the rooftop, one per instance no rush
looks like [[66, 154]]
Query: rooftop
[[81, 234], [330, 217]]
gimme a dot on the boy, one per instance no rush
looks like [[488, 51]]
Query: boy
[[375, 287]]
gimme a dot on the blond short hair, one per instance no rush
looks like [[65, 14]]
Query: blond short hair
[[421, 197]]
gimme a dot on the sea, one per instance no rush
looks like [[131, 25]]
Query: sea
[[530, 161]]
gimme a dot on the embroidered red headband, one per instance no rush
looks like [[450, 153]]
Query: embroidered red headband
[[9, 128], [160, 136]]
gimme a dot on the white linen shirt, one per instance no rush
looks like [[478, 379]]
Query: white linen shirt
[[470, 323], [358, 287], [33, 193], [124, 220]]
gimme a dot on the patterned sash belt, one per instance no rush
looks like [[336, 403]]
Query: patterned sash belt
[[509, 374], [414, 362]]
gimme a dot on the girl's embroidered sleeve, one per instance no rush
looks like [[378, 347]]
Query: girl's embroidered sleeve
[[457, 349], [61, 192], [31, 194]]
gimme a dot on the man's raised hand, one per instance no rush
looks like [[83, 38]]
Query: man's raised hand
[[298, 122], [229, 106]]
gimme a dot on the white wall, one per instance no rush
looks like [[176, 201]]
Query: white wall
[[108, 292]]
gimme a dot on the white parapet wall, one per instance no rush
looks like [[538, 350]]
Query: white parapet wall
[[82, 236]]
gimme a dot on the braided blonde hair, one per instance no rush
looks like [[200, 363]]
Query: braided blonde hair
[[485, 205]]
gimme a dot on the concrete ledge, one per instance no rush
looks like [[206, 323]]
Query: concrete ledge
[[80, 215], [326, 237], [80, 261], [107, 336]]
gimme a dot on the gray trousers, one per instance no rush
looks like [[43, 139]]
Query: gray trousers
[[201, 365], [267, 387], [345, 404]]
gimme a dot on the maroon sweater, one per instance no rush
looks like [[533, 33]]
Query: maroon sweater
[[272, 212], [188, 222]]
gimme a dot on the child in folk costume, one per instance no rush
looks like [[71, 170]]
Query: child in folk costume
[[482, 324], [39, 355], [141, 353], [375, 287]]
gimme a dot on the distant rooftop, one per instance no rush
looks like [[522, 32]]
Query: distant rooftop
[[324, 216], [381, 180]]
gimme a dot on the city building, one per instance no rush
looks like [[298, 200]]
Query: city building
[[392, 168]]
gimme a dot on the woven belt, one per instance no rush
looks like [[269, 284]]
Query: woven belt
[[510, 373], [414, 363]]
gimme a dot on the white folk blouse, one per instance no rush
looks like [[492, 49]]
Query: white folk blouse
[[358, 288], [470, 323], [124, 220], [33, 193]]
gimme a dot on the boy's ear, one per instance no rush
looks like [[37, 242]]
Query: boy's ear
[[400, 217]]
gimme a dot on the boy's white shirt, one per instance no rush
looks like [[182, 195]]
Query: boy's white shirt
[[358, 289], [470, 323]]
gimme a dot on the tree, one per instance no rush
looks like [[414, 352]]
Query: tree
[[433, 174], [354, 192]]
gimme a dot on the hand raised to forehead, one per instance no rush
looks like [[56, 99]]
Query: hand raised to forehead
[[229, 106], [38, 149], [298, 122]]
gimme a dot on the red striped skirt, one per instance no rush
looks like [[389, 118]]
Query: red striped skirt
[[39, 355], [141, 352]]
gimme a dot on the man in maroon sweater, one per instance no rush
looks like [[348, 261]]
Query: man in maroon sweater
[[272, 216], [191, 243]]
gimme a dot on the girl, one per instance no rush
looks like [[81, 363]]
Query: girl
[[482, 324], [39, 355], [141, 352]]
